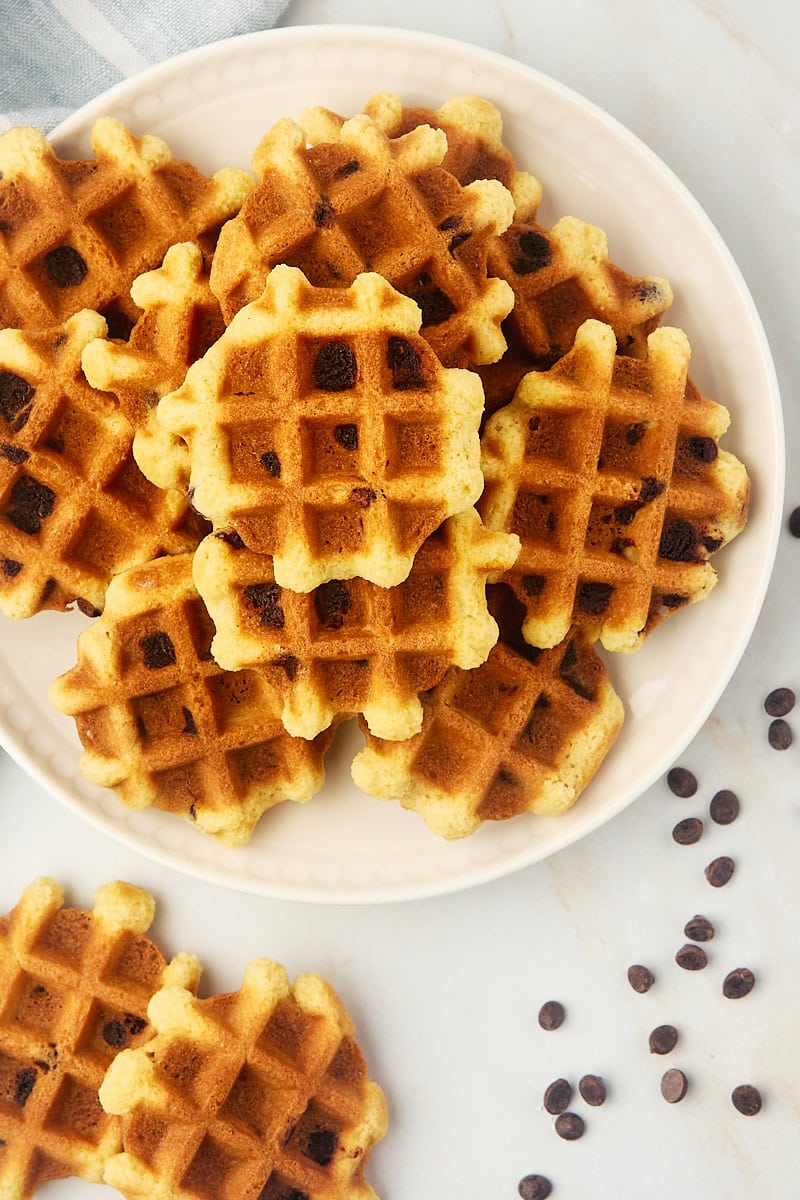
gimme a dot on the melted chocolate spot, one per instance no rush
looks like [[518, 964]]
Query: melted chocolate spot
[[266, 598], [674, 600], [289, 664], [65, 266], [635, 433], [11, 567], [189, 725], [449, 223], [31, 503], [650, 489], [115, 1034], [24, 1084], [158, 650], [14, 454], [404, 363], [704, 449], [711, 543], [86, 608], [533, 585], [321, 1146], [435, 304], [335, 368], [134, 1024], [593, 598], [346, 436], [349, 168], [332, 603], [534, 253], [458, 240], [363, 496], [15, 393], [271, 463], [678, 542], [324, 213], [231, 537]]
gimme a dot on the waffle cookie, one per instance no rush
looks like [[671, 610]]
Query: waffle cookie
[[262, 1094], [354, 647], [562, 277], [180, 318], [524, 732], [166, 727], [609, 470], [76, 234], [369, 203], [323, 430], [75, 986], [474, 131], [74, 507]]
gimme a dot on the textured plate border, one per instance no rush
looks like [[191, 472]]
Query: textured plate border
[[212, 104]]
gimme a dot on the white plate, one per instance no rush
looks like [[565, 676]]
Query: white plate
[[212, 105]]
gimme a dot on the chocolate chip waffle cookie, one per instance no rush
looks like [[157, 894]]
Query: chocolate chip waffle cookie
[[322, 429], [524, 732], [76, 234], [180, 318], [369, 203], [560, 278], [609, 470], [165, 726], [74, 507], [75, 986], [354, 647], [258, 1095], [474, 131]]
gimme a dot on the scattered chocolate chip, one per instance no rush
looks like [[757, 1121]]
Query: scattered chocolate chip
[[569, 1126], [115, 1034], [346, 436], [534, 253], [704, 449], [435, 305], [691, 958], [335, 368], [189, 725], [24, 1084], [363, 496], [711, 543], [640, 978], [458, 240], [593, 1090], [737, 983], [332, 603], [65, 267], [674, 600], [349, 168], [746, 1099], [678, 542], [681, 782], [635, 433], [324, 213], [663, 1039], [557, 1096], [534, 1187], [15, 393], [452, 222], [86, 608], [405, 365], [31, 503], [321, 1146], [551, 1015], [688, 831], [14, 454], [779, 735], [719, 872], [158, 650], [289, 664], [271, 463], [650, 489], [134, 1024], [266, 598], [794, 523], [699, 929], [11, 567], [592, 598], [780, 702], [532, 585], [724, 807], [673, 1085]]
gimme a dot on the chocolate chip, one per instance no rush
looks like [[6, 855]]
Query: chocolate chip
[[189, 725], [11, 567], [737, 983], [593, 598], [534, 1187], [650, 489], [452, 222], [332, 603], [271, 463], [569, 1126], [557, 1096], [324, 213], [435, 305], [534, 253], [458, 240], [14, 454], [780, 702], [31, 503], [640, 978], [704, 449], [678, 542], [724, 807], [266, 598], [673, 1085], [681, 782], [158, 650], [711, 543], [593, 1090], [24, 1084], [688, 831], [691, 958], [699, 929], [349, 168], [346, 436], [551, 1015], [65, 266], [746, 1099], [635, 433], [321, 1146], [335, 368], [230, 537], [779, 735], [115, 1034], [532, 585], [405, 365], [663, 1039], [794, 523], [290, 664], [720, 871], [15, 393], [363, 496], [674, 600]]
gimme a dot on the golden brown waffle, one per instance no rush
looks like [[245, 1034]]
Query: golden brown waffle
[[322, 429], [76, 234], [369, 203], [262, 1094], [74, 507], [609, 470], [354, 647], [180, 319], [75, 986], [165, 726], [524, 732], [474, 131], [561, 277]]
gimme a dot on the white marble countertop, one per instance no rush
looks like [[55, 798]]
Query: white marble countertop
[[445, 992]]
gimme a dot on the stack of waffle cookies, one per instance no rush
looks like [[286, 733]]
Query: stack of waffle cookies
[[357, 437]]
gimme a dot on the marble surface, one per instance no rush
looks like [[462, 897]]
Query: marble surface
[[445, 992]]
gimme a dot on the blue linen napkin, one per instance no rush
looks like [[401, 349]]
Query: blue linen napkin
[[57, 54]]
